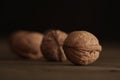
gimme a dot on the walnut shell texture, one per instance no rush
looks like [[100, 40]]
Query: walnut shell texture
[[52, 45], [82, 47], [27, 44]]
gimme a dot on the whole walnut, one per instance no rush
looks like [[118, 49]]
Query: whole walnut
[[82, 47], [26, 44], [52, 45]]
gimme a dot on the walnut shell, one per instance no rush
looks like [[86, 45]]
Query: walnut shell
[[26, 44], [82, 47], [52, 45]]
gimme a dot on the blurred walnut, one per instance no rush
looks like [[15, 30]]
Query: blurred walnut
[[82, 47], [52, 45], [26, 44]]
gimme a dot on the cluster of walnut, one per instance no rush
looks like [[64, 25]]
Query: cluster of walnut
[[79, 47]]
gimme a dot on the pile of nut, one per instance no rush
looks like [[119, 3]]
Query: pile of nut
[[79, 47]]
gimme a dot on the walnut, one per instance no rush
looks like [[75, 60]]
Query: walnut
[[82, 47], [26, 44], [52, 45]]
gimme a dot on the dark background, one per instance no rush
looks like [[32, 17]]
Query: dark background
[[67, 15]]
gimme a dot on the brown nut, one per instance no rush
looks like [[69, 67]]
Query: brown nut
[[26, 44], [52, 45], [82, 47]]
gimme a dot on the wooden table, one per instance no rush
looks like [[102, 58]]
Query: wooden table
[[12, 67]]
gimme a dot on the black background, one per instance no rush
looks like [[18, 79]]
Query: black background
[[94, 16]]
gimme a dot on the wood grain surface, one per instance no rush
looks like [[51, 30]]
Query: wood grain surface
[[13, 67]]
